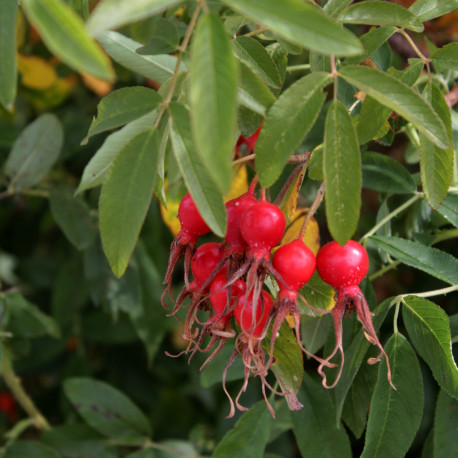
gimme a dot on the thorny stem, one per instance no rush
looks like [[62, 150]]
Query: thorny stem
[[14, 384], [390, 216], [182, 49], [313, 208]]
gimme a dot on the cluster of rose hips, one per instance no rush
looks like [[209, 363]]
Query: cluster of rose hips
[[228, 283]]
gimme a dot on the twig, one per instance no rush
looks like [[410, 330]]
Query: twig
[[313, 208], [256, 31]]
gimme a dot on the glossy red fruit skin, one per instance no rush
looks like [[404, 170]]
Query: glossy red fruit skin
[[296, 263], [262, 226], [204, 261], [243, 314], [218, 294], [342, 266], [8, 405], [192, 224], [235, 209]]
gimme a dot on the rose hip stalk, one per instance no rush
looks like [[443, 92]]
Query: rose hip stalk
[[192, 227], [253, 320], [293, 264], [344, 267]]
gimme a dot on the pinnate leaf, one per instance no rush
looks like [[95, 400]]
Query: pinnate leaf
[[254, 55], [106, 409], [64, 34], [342, 173], [446, 56], [394, 94], [123, 50], [125, 198], [250, 435], [395, 416], [445, 421], [426, 10], [381, 173], [213, 98], [436, 164], [34, 152], [429, 330], [288, 121], [111, 14], [97, 168], [431, 260], [301, 23], [381, 13], [314, 427], [206, 195], [122, 106]]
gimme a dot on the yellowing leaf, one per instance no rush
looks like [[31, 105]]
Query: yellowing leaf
[[239, 184], [36, 72], [170, 215], [97, 85], [311, 237]]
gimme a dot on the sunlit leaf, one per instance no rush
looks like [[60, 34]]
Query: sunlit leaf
[[64, 34], [429, 330], [426, 10]]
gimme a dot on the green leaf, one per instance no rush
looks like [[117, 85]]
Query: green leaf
[[371, 41], [76, 440], [429, 330], [30, 449], [396, 95], [373, 115], [27, 320], [334, 7], [426, 10], [206, 195], [106, 409], [342, 173], [111, 14], [447, 56], [358, 400], [73, 217], [288, 366], [253, 93], [96, 170], [250, 435], [64, 34], [449, 208], [213, 98], [354, 356], [435, 262], [381, 173], [34, 152], [8, 69], [287, 123], [301, 23], [445, 421], [254, 55], [315, 330], [313, 426], [123, 50], [318, 294], [436, 164], [381, 13], [123, 106], [395, 416], [163, 38], [125, 198]]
